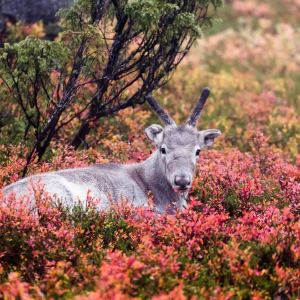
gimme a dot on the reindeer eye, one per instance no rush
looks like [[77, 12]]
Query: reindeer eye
[[163, 150], [197, 152]]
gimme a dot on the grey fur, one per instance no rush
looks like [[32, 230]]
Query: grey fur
[[167, 173]]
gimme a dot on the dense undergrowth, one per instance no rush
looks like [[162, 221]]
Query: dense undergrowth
[[239, 237]]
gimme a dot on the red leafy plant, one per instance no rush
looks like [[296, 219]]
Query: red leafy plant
[[239, 237]]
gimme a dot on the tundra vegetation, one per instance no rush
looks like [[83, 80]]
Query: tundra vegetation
[[239, 237]]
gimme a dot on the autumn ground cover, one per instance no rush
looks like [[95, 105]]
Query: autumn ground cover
[[239, 237]]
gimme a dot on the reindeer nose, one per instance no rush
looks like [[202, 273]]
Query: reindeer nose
[[182, 182]]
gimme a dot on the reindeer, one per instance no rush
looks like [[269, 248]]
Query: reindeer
[[167, 173]]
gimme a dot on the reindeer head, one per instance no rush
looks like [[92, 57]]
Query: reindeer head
[[179, 146]]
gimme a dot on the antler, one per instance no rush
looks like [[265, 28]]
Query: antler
[[195, 114], [166, 118]]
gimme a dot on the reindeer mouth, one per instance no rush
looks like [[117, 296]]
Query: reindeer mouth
[[180, 191]]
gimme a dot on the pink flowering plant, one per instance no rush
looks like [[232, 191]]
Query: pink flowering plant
[[239, 237]]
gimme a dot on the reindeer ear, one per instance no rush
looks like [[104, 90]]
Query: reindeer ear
[[155, 134], [207, 137]]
